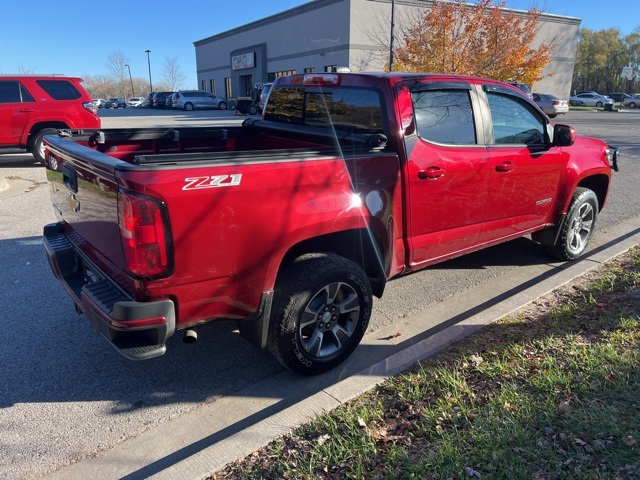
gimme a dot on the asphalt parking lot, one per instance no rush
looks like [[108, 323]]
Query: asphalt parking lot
[[72, 407]]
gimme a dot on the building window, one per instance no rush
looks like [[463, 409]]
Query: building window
[[310, 70], [203, 85], [273, 75], [227, 87], [212, 86], [330, 68]]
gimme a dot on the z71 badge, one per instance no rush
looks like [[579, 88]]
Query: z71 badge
[[213, 181]]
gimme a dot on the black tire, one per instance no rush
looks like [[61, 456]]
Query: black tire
[[252, 109], [188, 107], [37, 146], [222, 105], [632, 105], [598, 104], [578, 226], [321, 310]]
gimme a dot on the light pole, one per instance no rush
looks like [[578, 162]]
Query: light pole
[[133, 93], [149, 63], [393, 11]]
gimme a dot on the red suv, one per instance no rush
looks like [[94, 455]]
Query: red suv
[[32, 106]]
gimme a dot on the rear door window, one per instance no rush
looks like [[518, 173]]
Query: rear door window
[[12, 91], [444, 116], [60, 89]]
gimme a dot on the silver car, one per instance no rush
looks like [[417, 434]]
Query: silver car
[[550, 104], [591, 99], [632, 101], [190, 99]]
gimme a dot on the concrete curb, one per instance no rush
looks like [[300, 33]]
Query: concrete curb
[[202, 441]]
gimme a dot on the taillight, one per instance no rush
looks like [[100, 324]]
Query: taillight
[[91, 107], [556, 102], [144, 231]]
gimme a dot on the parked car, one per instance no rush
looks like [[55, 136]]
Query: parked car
[[168, 103], [32, 106], [618, 96], [136, 102], [101, 103], [590, 99], [159, 99], [190, 99], [550, 104], [150, 99], [118, 102], [632, 101], [524, 87]]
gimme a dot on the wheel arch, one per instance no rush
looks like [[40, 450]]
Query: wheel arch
[[362, 246], [37, 127], [599, 184], [357, 245]]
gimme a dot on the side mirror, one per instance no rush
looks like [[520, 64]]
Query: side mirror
[[563, 135]]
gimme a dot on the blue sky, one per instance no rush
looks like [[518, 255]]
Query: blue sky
[[75, 37]]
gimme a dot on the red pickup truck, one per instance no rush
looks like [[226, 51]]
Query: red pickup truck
[[290, 223]]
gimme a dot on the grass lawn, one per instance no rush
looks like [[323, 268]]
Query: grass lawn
[[552, 392]]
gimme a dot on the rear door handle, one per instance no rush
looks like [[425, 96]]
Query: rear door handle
[[27, 110], [430, 173], [505, 167]]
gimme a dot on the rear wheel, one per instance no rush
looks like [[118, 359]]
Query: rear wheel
[[632, 105], [321, 311], [252, 110], [37, 146], [578, 226]]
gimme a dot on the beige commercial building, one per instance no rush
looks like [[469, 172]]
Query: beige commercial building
[[323, 34]]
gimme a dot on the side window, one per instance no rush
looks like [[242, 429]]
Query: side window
[[514, 121], [59, 89], [11, 91], [444, 116]]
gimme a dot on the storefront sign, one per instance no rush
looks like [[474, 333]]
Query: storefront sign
[[246, 60]]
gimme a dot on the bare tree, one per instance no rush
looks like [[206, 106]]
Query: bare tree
[[172, 74], [116, 62], [25, 70]]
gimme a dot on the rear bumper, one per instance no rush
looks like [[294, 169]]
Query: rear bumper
[[138, 330]]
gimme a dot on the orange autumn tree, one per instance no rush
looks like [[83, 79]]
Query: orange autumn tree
[[482, 39]]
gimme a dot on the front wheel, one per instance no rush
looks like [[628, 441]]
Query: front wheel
[[632, 105], [321, 311], [578, 226], [37, 146], [598, 104], [188, 107], [253, 109], [222, 105]]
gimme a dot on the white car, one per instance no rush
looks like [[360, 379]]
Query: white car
[[136, 102], [591, 99], [632, 101]]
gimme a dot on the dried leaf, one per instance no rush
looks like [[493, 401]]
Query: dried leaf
[[362, 423], [629, 440]]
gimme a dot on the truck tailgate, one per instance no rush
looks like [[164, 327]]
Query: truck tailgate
[[84, 196]]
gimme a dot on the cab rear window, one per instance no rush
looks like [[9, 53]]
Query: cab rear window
[[60, 89], [356, 109]]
